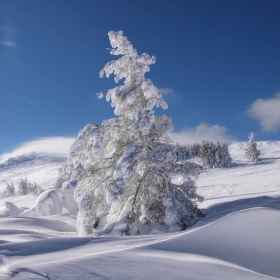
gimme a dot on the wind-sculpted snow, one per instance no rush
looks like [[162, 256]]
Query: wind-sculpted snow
[[224, 249], [50, 202], [13, 209], [68, 189], [237, 239]]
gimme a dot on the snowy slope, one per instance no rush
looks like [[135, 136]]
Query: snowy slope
[[37, 168], [243, 179], [238, 238]]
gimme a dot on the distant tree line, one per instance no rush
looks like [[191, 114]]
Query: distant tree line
[[24, 187]]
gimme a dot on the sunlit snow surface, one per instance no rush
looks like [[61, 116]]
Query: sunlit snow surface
[[238, 238]]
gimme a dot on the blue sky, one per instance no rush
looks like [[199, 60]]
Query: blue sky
[[218, 65]]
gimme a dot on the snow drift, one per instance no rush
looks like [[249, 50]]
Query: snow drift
[[238, 238]]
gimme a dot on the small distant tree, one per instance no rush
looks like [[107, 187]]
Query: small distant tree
[[251, 152], [207, 154], [222, 155], [23, 188], [10, 190], [214, 155], [34, 188], [195, 150]]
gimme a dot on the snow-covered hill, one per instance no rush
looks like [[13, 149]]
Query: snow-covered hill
[[238, 238], [37, 168], [244, 179], [41, 169]]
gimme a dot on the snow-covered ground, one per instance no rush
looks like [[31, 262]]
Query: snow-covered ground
[[238, 238]]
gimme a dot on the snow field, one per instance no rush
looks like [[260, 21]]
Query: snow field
[[238, 238]]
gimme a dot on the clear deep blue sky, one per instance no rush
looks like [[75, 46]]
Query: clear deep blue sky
[[217, 56]]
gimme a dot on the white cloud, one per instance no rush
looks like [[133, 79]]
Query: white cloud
[[267, 112], [58, 146], [203, 131], [166, 90]]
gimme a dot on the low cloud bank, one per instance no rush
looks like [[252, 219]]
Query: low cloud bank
[[59, 146], [267, 112], [55, 146], [204, 131]]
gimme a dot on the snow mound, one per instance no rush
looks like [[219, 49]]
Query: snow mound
[[14, 210], [50, 202], [68, 189], [223, 249], [247, 238]]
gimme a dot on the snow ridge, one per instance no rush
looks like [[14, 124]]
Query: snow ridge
[[31, 159]]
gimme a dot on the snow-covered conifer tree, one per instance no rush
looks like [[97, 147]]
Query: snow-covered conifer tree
[[251, 152], [23, 187], [207, 154], [10, 190], [126, 165], [195, 150], [34, 188], [214, 155], [222, 156]]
